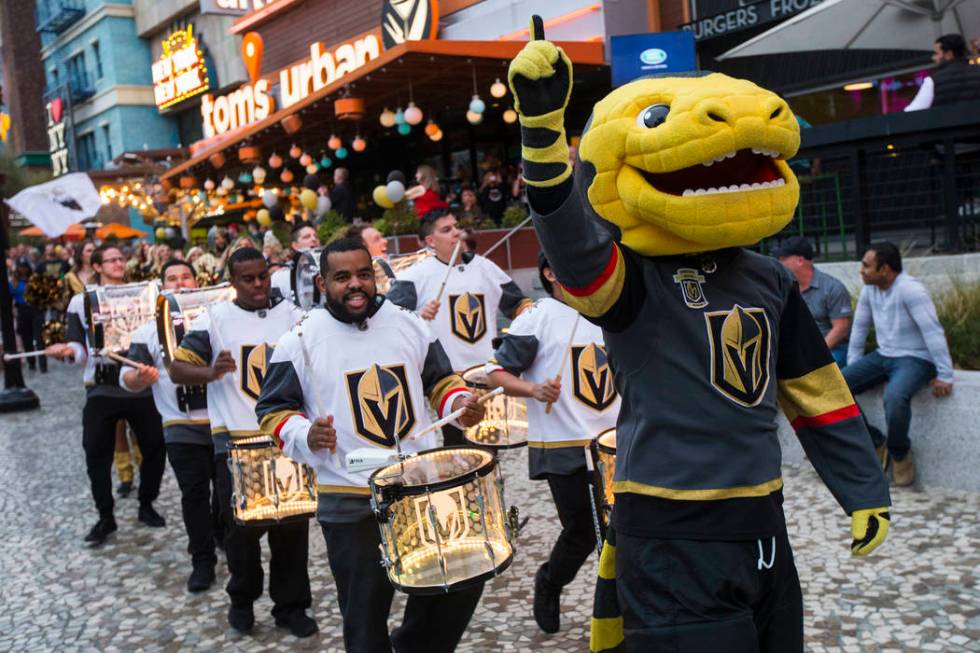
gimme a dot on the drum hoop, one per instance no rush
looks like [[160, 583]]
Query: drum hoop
[[603, 447], [398, 491], [481, 386], [495, 447], [430, 590], [274, 522], [262, 444]]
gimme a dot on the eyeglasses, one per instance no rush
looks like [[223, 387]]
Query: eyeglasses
[[114, 259]]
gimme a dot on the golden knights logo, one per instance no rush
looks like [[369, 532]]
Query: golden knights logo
[[408, 20], [740, 341], [468, 316], [442, 515], [255, 363], [592, 379], [380, 403], [690, 282]]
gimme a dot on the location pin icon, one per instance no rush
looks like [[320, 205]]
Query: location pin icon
[[252, 49]]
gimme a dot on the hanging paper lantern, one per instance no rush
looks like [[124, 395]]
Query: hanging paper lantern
[[341, 153], [380, 196], [209, 184], [395, 191], [404, 129], [308, 199], [399, 117], [498, 88], [387, 118], [245, 178], [413, 115], [287, 176], [275, 161], [510, 116], [311, 181], [258, 174], [322, 204], [295, 151], [431, 128], [312, 169], [396, 175], [359, 144], [477, 105], [305, 160], [227, 183], [263, 217], [326, 161], [474, 118], [334, 142], [436, 137]]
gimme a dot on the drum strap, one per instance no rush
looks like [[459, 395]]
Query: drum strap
[[106, 374]]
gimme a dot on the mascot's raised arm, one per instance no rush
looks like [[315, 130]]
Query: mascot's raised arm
[[675, 176]]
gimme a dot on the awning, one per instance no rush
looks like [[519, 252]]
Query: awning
[[119, 231], [441, 77]]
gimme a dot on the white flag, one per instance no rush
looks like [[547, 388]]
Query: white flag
[[55, 205]]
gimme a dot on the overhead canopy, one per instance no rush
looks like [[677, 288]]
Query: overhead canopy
[[73, 232], [441, 77], [120, 231]]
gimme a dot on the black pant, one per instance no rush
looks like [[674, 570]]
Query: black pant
[[431, 624], [452, 436], [577, 538], [99, 419], [194, 467], [289, 580], [698, 597], [30, 321]]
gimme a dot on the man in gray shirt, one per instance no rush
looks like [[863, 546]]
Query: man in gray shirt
[[912, 351], [826, 297]]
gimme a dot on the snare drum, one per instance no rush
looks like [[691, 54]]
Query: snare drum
[[442, 519], [268, 488], [603, 457], [114, 313], [386, 270], [505, 424], [302, 279], [176, 311]]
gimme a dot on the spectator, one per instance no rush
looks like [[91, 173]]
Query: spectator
[[82, 273], [954, 80], [493, 200], [376, 243], [29, 319], [425, 195], [469, 211], [826, 297], [341, 197], [912, 351], [52, 265]]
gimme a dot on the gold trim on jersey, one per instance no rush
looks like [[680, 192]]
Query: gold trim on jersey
[[821, 391], [187, 356], [443, 387], [343, 489], [223, 430], [380, 403], [742, 492], [185, 422], [271, 421], [468, 316], [563, 444]]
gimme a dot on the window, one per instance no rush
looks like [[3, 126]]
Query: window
[[107, 137], [88, 158], [97, 55], [54, 78], [76, 69]]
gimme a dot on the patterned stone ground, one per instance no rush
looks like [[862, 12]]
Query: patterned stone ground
[[919, 593]]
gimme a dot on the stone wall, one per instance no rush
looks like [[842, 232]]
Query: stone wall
[[936, 272]]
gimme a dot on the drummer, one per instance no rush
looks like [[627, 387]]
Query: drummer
[[229, 349], [583, 402], [186, 432], [374, 240], [465, 317], [387, 355], [303, 236], [105, 404]]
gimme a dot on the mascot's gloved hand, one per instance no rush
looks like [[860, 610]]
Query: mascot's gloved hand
[[540, 78], [869, 528]]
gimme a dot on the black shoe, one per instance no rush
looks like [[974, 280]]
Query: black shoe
[[547, 603], [101, 531], [124, 488], [241, 619], [151, 517], [201, 578], [298, 623]]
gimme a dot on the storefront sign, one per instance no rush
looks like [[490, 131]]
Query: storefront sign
[[181, 72], [638, 55], [248, 104], [408, 20], [58, 136], [745, 17], [225, 7], [324, 67]]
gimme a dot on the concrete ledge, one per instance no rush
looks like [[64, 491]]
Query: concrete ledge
[[945, 434]]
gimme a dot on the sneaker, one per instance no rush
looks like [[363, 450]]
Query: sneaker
[[151, 517], [903, 471], [882, 452], [297, 623], [101, 531], [124, 489], [241, 619], [201, 578], [547, 603]]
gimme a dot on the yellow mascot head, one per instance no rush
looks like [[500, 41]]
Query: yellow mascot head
[[690, 163]]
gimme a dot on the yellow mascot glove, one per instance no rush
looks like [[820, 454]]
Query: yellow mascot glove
[[540, 78], [869, 528]]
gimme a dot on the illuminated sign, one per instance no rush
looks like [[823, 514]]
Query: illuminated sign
[[324, 67], [58, 144], [248, 104], [181, 72], [408, 20]]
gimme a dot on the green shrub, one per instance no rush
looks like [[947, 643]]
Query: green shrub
[[331, 222], [399, 220], [959, 313], [513, 216]]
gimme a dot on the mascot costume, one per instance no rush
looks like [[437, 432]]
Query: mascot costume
[[675, 176]]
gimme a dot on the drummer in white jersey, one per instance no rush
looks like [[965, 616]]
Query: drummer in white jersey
[[584, 403], [229, 349], [303, 236], [465, 317], [362, 349], [186, 432]]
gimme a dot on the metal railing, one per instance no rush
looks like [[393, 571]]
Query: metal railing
[[55, 16], [81, 86]]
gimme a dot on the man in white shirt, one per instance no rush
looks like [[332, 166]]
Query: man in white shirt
[[912, 351], [303, 236]]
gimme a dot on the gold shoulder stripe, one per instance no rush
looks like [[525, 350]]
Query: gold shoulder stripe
[[271, 422], [525, 304], [745, 491], [599, 296], [445, 385], [823, 390], [187, 356]]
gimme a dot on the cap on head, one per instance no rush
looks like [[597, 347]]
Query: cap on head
[[794, 246]]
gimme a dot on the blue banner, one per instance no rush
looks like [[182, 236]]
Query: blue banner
[[639, 55]]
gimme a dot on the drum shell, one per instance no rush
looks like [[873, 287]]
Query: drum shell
[[112, 324], [253, 502], [604, 467], [182, 303], [505, 424], [306, 260]]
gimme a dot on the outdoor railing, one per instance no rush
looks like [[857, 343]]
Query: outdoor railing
[[55, 16]]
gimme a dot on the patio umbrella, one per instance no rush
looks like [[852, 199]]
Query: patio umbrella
[[74, 232], [120, 231], [866, 25]]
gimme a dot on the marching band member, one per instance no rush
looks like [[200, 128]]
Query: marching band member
[[229, 349], [465, 317], [105, 404], [374, 240], [303, 236], [375, 364], [186, 431], [584, 403]]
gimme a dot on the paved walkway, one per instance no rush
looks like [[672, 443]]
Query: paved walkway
[[919, 593]]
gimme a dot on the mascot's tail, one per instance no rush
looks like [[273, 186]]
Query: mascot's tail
[[607, 620]]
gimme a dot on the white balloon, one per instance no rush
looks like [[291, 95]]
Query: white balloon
[[270, 199], [322, 204], [395, 190], [170, 232]]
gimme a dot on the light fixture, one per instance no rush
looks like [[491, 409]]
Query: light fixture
[[413, 115], [510, 116], [258, 174], [305, 160], [399, 117], [312, 169], [295, 151], [209, 184], [858, 86], [404, 129], [498, 88], [431, 128], [286, 176], [341, 152], [358, 144], [275, 161], [474, 118], [227, 183], [325, 161], [334, 142], [387, 118], [436, 137]]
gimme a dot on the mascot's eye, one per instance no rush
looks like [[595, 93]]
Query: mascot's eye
[[653, 116]]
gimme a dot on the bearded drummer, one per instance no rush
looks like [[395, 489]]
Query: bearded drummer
[[303, 236], [464, 317], [228, 349], [186, 432], [584, 402], [105, 404], [364, 350]]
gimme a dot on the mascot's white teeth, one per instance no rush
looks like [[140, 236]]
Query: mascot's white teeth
[[731, 155], [734, 188]]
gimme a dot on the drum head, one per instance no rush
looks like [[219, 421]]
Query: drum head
[[434, 469], [303, 279], [176, 311], [607, 441], [476, 377], [114, 313]]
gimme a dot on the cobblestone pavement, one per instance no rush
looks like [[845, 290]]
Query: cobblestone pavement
[[919, 593]]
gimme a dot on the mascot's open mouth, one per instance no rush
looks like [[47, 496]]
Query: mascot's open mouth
[[744, 170]]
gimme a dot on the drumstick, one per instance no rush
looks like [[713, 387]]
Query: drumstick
[[26, 354], [311, 377], [121, 359], [452, 263], [568, 354], [455, 414]]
